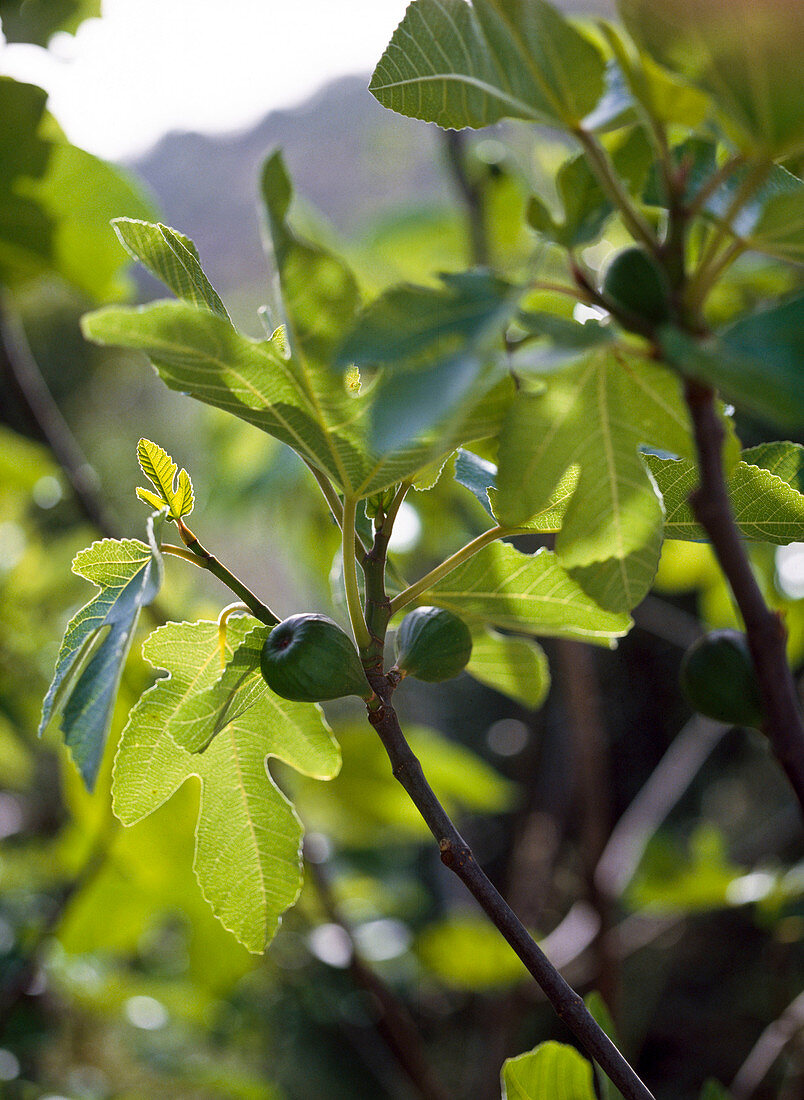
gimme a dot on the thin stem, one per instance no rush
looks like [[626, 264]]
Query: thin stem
[[458, 857], [25, 377], [765, 629], [471, 194], [404, 598], [704, 278], [728, 168], [356, 617], [329, 493], [180, 552], [636, 224], [202, 557]]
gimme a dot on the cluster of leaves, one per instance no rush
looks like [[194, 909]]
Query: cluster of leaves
[[593, 440]]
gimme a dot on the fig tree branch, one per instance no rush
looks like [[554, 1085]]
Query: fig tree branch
[[459, 858], [46, 419], [201, 557], [783, 725]]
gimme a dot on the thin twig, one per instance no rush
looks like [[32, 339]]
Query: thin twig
[[459, 858], [612, 186], [767, 1049], [765, 629], [204, 560], [662, 790], [46, 418], [394, 1023], [471, 194]]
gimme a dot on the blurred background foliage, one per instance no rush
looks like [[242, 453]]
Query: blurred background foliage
[[656, 852]]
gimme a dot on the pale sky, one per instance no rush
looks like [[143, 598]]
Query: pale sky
[[150, 66]]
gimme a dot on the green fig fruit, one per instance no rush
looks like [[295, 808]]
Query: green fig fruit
[[432, 644], [719, 679], [635, 283], [308, 658]]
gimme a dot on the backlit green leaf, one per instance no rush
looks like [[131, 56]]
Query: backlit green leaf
[[174, 488], [529, 593], [319, 293], [516, 667], [97, 640], [199, 353], [248, 837], [171, 257], [459, 66], [550, 1069], [768, 506], [594, 416], [433, 344]]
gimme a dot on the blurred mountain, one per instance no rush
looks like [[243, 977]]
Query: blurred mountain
[[348, 157]]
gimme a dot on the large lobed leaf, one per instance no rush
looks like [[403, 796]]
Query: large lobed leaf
[[595, 415], [97, 640], [248, 837], [525, 593], [459, 65], [199, 353]]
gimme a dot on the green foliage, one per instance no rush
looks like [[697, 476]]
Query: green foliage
[[756, 361], [596, 415], [721, 46], [525, 593], [459, 66], [171, 257], [550, 1069], [96, 643], [764, 487], [319, 294], [37, 21], [25, 229], [514, 666], [433, 344], [173, 488], [248, 837]]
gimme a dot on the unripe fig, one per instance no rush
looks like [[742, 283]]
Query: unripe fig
[[432, 644], [636, 283], [719, 679], [308, 658]]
